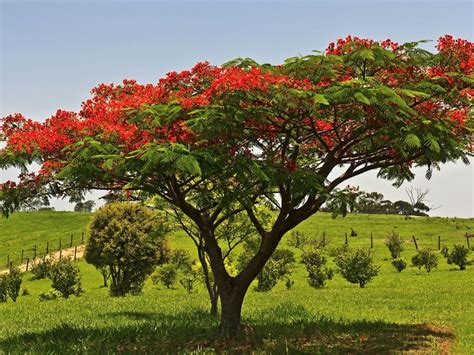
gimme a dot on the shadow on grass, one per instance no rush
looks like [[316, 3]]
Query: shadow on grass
[[286, 328]]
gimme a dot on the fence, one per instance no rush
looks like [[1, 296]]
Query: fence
[[28, 256], [436, 241]]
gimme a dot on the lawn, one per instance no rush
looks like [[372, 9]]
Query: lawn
[[396, 312]]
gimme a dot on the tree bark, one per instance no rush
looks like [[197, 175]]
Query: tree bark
[[232, 298]]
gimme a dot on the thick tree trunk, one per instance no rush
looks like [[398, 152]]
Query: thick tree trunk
[[231, 310]]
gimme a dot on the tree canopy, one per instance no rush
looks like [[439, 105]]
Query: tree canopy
[[216, 140]]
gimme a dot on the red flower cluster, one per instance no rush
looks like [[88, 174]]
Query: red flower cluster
[[349, 44]]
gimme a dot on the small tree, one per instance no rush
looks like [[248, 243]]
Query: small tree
[[66, 277], [130, 240], [394, 244], [399, 264], [425, 258], [315, 264], [357, 266], [458, 256], [14, 283], [166, 274]]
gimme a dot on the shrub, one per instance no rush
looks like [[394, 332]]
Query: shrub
[[289, 283], [278, 267], [353, 233], [14, 283], [25, 292], [458, 256], [444, 251], [339, 250], [42, 269], [49, 295], [166, 274], [190, 275], [357, 266], [318, 273], [66, 278], [394, 244], [3, 288], [425, 258], [180, 258], [399, 264], [130, 240]]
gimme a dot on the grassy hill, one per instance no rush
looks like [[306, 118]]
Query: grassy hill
[[24, 230], [396, 312]]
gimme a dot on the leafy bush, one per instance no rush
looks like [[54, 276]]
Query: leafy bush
[[14, 283], [49, 295], [66, 278], [394, 244], [357, 266], [180, 258], [3, 288], [167, 274], [190, 274], [42, 268], [339, 250], [458, 256], [399, 264], [315, 264], [444, 251], [425, 258], [277, 268], [130, 240]]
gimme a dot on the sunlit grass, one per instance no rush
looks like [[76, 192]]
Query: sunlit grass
[[396, 312]]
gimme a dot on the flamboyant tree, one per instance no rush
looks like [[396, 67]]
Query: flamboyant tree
[[216, 141]]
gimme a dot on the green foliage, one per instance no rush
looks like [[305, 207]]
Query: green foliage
[[394, 244], [444, 251], [181, 258], [399, 264], [357, 266], [425, 258], [14, 280], [315, 265], [42, 268], [167, 274], [66, 278], [3, 288], [190, 275], [458, 256], [130, 240], [50, 295]]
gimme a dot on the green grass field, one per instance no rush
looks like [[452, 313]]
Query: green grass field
[[411, 311]]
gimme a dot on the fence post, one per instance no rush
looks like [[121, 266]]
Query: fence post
[[82, 238], [324, 238], [47, 248], [22, 254], [11, 265], [34, 252], [346, 239], [75, 252], [414, 241], [60, 253], [27, 263], [8, 260], [439, 242], [60, 244], [371, 240], [70, 244], [467, 240]]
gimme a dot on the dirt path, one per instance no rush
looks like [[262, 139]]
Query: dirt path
[[69, 252]]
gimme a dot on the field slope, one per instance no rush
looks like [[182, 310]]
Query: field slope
[[411, 311]]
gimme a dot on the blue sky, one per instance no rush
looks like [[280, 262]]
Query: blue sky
[[54, 52]]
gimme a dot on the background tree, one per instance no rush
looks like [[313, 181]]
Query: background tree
[[213, 141], [86, 206], [130, 240]]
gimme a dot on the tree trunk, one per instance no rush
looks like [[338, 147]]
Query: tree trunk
[[231, 310]]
